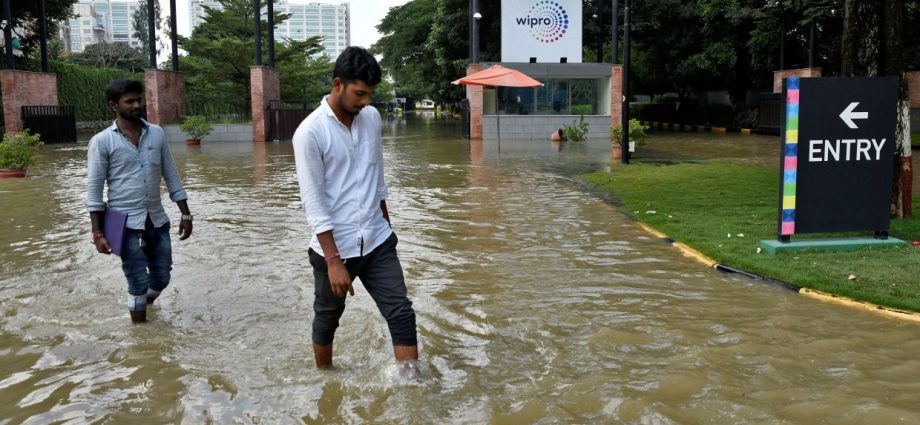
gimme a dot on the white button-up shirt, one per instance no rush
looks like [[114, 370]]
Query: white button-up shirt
[[340, 172]]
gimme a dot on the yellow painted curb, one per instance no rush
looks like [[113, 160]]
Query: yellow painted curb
[[745, 131], [696, 255], [862, 305], [684, 249], [719, 130], [651, 230], [811, 293]]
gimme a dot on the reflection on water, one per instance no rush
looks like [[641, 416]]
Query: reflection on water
[[537, 303]]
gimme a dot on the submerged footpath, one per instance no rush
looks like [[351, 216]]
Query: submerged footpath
[[718, 212]]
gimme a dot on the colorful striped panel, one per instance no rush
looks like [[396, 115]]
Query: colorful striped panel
[[791, 160]]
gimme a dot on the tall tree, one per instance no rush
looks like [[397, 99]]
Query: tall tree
[[109, 55], [25, 19], [873, 45], [140, 27], [220, 52]]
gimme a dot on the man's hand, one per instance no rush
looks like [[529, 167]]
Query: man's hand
[[339, 278], [185, 229], [102, 246]]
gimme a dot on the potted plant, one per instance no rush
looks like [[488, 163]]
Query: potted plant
[[196, 127], [636, 134], [16, 153]]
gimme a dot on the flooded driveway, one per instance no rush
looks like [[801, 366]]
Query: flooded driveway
[[537, 302]]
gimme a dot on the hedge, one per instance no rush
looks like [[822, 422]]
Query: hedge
[[84, 88]]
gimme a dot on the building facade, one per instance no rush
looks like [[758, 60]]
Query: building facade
[[332, 21], [96, 21]]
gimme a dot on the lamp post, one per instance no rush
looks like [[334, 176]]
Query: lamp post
[[626, 63], [474, 31], [613, 30], [257, 23], [151, 34]]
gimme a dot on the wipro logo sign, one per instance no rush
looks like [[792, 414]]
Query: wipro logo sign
[[548, 21]]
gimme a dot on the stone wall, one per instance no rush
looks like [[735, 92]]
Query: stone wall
[[778, 76], [266, 86], [540, 127], [221, 133], [24, 88], [165, 94]]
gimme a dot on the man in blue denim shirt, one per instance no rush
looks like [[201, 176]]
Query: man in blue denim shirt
[[132, 156]]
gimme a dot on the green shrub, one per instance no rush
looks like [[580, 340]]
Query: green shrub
[[196, 126], [576, 131], [583, 109], [636, 132], [16, 150], [84, 88]]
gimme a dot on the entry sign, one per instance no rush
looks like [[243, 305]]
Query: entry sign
[[838, 149]]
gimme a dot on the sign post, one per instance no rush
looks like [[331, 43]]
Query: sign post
[[838, 146]]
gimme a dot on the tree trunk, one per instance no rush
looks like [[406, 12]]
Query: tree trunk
[[873, 34]]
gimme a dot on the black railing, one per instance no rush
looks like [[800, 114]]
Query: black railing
[[220, 114], [283, 117], [770, 113], [465, 118], [55, 124]]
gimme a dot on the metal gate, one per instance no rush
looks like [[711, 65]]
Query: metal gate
[[56, 124], [284, 117], [770, 113]]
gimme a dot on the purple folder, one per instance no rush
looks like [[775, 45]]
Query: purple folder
[[113, 227]]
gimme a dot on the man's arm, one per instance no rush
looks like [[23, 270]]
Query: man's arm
[[97, 166], [311, 172], [176, 192]]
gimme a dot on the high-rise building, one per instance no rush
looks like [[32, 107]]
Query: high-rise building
[[100, 20], [332, 21]]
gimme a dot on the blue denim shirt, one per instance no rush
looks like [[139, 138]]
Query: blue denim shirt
[[133, 174]]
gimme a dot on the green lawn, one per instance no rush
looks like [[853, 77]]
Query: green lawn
[[700, 204], [915, 139]]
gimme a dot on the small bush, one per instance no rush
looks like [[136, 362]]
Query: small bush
[[196, 127], [576, 131], [16, 150], [636, 132]]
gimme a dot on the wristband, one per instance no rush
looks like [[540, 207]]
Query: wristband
[[186, 217], [329, 258], [97, 236]]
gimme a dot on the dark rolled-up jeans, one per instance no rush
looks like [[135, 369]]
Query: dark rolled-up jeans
[[382, 276]]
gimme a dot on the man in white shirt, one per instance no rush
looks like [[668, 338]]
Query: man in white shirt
[[339, 156]]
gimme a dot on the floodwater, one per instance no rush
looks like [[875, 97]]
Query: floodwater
[[537, 303]]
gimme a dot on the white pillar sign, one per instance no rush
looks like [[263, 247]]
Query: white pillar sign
[[547, 30]]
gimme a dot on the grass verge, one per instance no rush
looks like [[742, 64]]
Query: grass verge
[[724, 210]]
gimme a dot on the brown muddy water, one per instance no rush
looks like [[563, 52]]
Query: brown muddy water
[[537, 303]]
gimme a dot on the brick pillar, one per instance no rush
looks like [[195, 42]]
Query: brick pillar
[[266, 87], [474, 94], [165, 93], [24, 88], [778, 76], [913, 87], [616, 96]]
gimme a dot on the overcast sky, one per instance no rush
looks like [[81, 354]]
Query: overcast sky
[[365, 15]]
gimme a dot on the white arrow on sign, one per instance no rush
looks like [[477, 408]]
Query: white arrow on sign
[[848, 115]]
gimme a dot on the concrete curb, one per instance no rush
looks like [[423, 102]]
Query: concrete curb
[[811, 293]]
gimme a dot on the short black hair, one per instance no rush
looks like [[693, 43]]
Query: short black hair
[[118, 88], [356, 63]]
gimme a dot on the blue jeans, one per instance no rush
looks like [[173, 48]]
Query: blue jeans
[[382, 276], [148, 266]]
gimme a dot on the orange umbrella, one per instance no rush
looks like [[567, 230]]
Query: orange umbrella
[[498, 76]]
